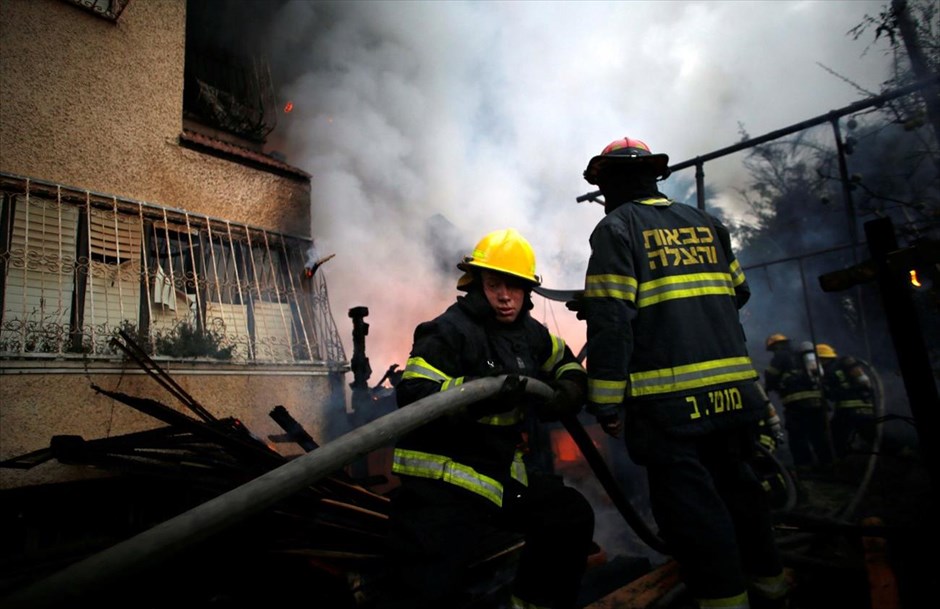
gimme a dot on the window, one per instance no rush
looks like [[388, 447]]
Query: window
[[227, 90], [76, 268]]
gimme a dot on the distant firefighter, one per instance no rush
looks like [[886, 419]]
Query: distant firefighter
[[847, 386], [795, 379]]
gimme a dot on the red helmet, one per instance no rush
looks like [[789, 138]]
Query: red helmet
[[623, 153]]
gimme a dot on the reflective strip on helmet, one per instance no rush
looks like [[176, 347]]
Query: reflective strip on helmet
[[606, 392], [737, 275], [691, 376], [812, 394], [438, 467], [773, 588], [567, 367], [684, 286], [738, 601], [504, 418], [610, 286], [418, 368]]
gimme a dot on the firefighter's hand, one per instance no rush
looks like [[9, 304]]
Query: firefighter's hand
[[567, 400], [611, 423], [577, 305], [513, 386]]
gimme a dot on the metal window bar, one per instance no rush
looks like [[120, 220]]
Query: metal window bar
[[238, 283], [169, 264], [25, 317], [92, 293], [192, 259], [117, 242], [261, 343], [295, 298], [60, 342], [288, 328], [145, 255], [215, 269]]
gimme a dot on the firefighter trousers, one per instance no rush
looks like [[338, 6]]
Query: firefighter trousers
[[808, 435], [710, 507], [437, 531]]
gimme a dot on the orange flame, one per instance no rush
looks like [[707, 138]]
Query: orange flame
[[288, 106], [914, 280]]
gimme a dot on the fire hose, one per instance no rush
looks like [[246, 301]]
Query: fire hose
[[610, 485], [164, 540]]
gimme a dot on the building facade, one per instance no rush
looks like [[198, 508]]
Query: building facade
[[139, 204]]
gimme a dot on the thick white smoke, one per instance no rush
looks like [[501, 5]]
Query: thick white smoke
[[486, 113]]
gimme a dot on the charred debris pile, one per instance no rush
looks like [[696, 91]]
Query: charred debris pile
[[322, 542]]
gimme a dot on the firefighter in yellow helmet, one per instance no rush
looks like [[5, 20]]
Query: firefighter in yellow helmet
[[666, 351], [465, 476], [795, 378], [849, 388]]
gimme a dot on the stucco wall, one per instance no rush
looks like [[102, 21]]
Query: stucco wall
[[37, 406], [99, 105]]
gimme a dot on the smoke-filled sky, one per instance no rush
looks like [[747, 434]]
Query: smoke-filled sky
[[426, 125]]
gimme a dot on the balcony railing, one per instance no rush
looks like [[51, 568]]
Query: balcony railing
[[77, 266]]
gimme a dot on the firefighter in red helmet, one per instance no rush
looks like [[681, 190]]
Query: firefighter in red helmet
[[668, 368], [465, 477]]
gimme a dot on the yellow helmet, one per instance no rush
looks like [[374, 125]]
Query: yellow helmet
[[824, 350], [504, 251], [773, 339]]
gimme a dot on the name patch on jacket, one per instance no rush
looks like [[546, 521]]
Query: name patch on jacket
[[679, 246], [700, 412]]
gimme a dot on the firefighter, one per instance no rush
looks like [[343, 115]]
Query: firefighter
[[847, 386], [794, 377], [765, 464], [464, 477], [666, 351]]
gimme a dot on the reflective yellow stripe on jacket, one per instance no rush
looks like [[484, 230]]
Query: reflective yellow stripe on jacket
[[418, 368], [610, 286], [811, 394], [738, 601], [440, 467], [606, 392], [862, 404], [558, 354], [691, 285], [691, 376]]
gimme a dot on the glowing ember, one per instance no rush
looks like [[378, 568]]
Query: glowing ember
[[914, 280], [288, 106]]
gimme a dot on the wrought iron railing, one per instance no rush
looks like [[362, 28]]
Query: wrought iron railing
[[77, 266]]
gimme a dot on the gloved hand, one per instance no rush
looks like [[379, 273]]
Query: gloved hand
[[513, 386], [511, 391], [577, 305], [567, 400], [611, 423]]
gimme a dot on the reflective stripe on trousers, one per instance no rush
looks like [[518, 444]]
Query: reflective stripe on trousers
[[440, 467]]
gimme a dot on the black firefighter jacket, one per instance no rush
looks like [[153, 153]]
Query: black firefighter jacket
[[661, 301], [479, 449]]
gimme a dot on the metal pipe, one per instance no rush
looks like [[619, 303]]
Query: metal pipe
[[166, 539], [877, 100]]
